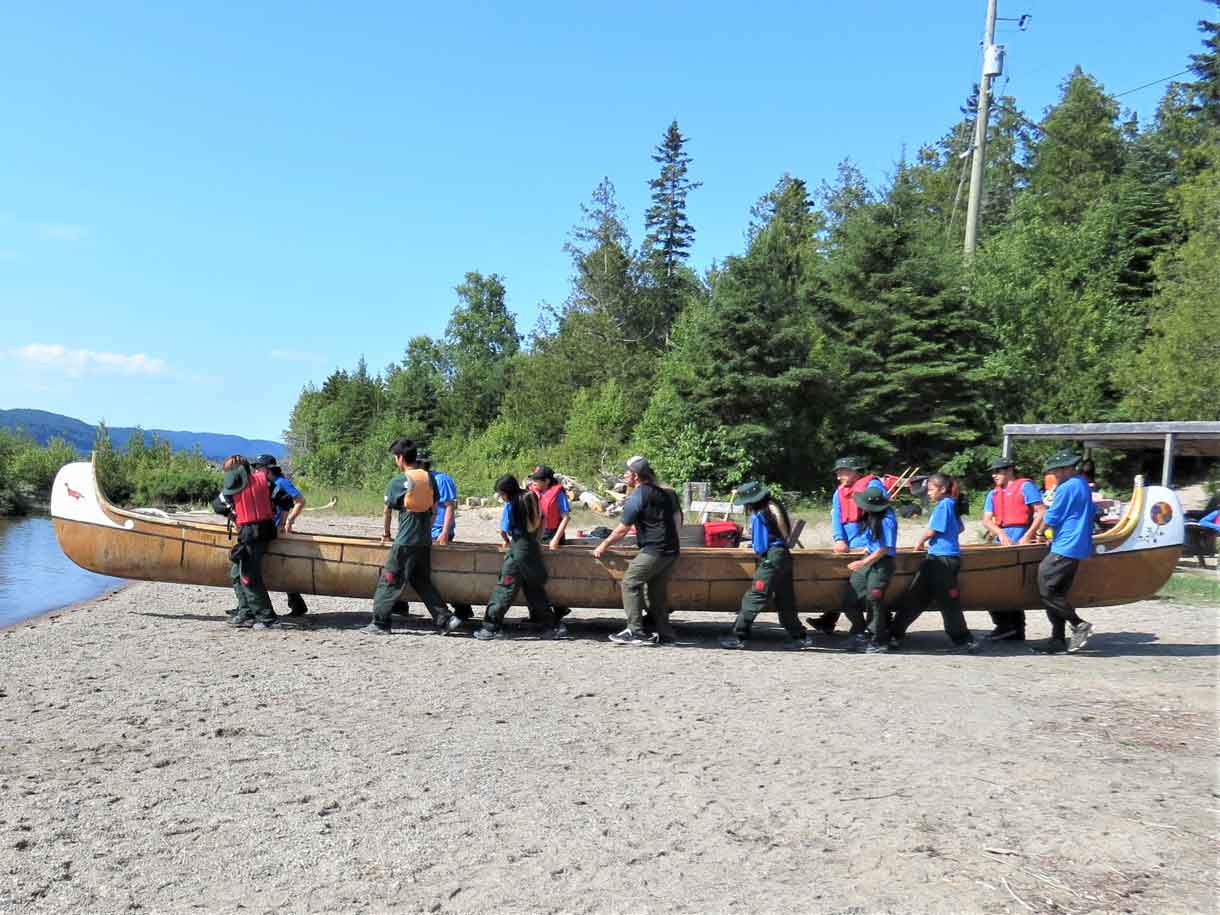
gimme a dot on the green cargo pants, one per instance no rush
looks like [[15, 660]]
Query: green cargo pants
[[868, 589], [772, 581], [253, 601], [647, 572], [522, 570], [935, 582], [407, 565]]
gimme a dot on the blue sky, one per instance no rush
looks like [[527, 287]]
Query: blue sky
[[205, 206]]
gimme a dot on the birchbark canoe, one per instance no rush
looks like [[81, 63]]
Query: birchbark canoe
[[1131, 562]]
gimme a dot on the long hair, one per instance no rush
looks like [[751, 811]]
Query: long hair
[[524, 511], [774, 510], [953, 490], [873, 522]]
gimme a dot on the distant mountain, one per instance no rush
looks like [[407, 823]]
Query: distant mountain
[[215, 446]]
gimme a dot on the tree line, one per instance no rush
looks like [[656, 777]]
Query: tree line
[[851, 322]]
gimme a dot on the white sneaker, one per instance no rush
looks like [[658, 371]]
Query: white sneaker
[[1080, 634]]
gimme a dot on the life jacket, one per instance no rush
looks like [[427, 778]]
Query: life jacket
[[548, 503], [253, 504], [849, 511], [1008, 505], [420, 496]]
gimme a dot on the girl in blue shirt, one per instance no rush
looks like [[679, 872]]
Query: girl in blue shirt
[[936, 580], [523, 568], [871, 573]]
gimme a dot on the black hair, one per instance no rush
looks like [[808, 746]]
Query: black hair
[[772, 508], [404, 448], [873, 522], [953, 490], [524, 504]]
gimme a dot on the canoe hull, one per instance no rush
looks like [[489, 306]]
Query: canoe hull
[[99, 537]]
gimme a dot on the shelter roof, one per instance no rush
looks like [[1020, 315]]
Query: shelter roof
[[1188, 438]]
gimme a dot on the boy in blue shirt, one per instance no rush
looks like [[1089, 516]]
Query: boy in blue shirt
[[1012, 512], [1071, 518], [936, 580], [444, 524]]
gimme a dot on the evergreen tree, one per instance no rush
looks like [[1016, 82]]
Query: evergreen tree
[[1206, 67], [480, 341], [669, 233]]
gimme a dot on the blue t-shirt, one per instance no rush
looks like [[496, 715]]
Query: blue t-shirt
[[1211, 520], [506, 522], [849, 530], [889, 534], [761, 537], [947, 525], [284, 485], [1071, 517], [1029, 494], [446, 491]]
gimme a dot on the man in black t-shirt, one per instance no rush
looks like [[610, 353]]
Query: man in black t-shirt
[[656, 515]]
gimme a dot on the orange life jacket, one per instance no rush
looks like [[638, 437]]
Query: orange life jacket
[[1008, 505], [419, 496], [849, 511], [253, 504]]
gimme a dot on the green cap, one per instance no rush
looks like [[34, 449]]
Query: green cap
[[999, 462], [1065, 458], [237, 478], [872, 500], [848, 462], [749, 493]]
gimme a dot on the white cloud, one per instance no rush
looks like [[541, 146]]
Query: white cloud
[[77, 362], [61, 231]]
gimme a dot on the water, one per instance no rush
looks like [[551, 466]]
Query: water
[[36, 576]]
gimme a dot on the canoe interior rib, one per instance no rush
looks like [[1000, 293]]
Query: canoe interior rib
[[111, 541]]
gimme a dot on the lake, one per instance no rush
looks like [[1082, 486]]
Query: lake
[[36, 576]]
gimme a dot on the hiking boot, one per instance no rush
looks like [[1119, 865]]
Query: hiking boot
[[1080, 634], [1051, 646], [374, 629], [1006, 633], [821, 624], [487, 635], [628, 637], [965, 646], [877, 648], [731, 640]]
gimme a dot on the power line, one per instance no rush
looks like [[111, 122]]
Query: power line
[[1163, 79]]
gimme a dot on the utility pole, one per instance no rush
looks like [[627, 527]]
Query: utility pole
[[992, 66]]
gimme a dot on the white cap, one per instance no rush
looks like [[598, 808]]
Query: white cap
[[637, 464]]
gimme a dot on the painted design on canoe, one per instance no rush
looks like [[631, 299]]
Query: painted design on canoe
[[1132, 560]]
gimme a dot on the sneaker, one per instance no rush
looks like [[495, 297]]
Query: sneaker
[[558, 632], [731, 640], [374, 629], [966, 646], [819, 624], [627, 637], [877, 648], [1051, 646], [240, 622], [453, 624], [796, 644], [487, 635], [1006, 633], [1080, 634]]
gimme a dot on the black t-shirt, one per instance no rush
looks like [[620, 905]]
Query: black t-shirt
[[651, 509]]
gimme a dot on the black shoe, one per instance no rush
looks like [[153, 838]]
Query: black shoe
[[731, 640], [487, 635], [296, 605], [824, 626], [464, 613], [560, 612], [895, 645], [1006, 633], [1051, 646], [374, 629]]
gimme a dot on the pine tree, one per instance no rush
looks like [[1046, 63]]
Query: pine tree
[[480, 341], [1206, 67], [669, 233]]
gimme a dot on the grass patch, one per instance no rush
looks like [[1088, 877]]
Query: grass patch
[[348, 501], [1192, 587]]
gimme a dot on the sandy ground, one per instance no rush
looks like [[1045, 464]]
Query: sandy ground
[[154, 760]]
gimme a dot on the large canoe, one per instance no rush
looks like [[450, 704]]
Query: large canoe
[[1131, 561]]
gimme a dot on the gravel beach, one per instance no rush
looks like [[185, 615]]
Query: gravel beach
[[154, 760]]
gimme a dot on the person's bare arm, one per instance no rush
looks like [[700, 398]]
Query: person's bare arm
[[559, 532], [866, 561], [386, 515], [992, 525], [614, 537], [447, 523], [1035, 526], [298, 506]]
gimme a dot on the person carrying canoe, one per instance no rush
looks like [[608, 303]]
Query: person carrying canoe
[[770, 530], [655, 512], [444, 523], [412, 493], [556, 510], [936, 580], [1013, 513], [288, 503], [845, 521], [248, 497], [1071, 518], [523, 569], [871, 574]]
